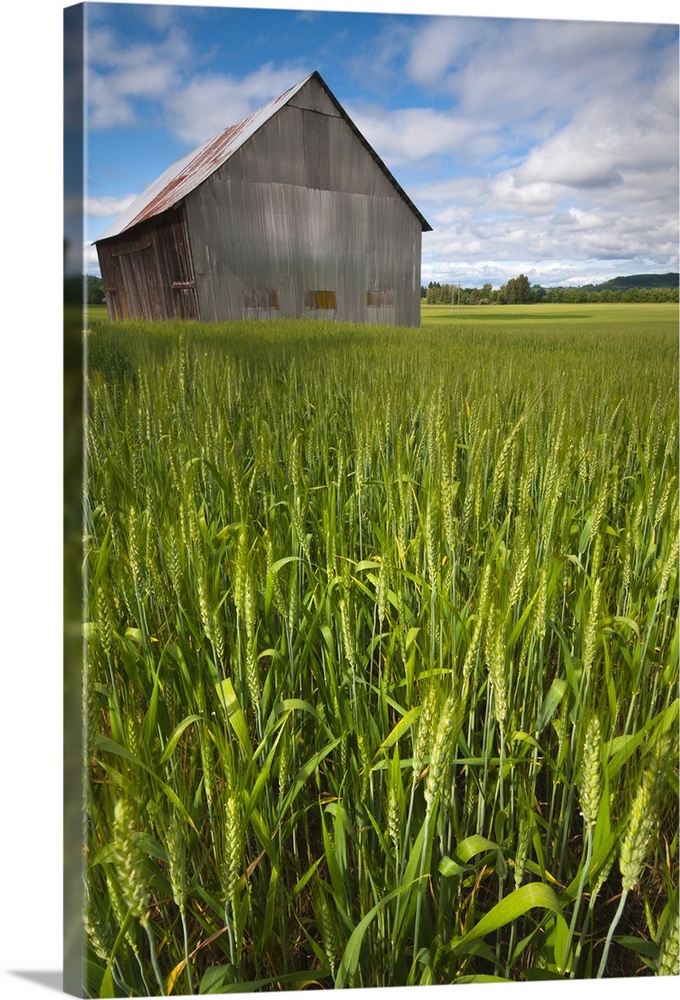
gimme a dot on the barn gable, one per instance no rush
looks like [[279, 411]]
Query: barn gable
[[289, 212]]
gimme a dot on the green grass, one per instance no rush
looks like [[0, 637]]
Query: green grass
[[95, 312], [382, 652], [555, 316]]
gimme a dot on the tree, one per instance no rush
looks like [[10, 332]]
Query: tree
[[438, 294], [95, 290], [517, 290]]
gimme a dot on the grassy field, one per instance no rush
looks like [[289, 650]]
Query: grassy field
[[381, 682], [623, 316]]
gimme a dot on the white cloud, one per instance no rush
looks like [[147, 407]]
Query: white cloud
[[90, 259], [445, 44], [107, 108], [119, 72], [502, 64], [467, 190], [107, 205], [588, 114], [602, 143], [523, 82], [192, 105], [210, 102], [533, 197], [412, 134]]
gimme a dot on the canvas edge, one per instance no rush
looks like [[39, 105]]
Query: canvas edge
[[73, 466]]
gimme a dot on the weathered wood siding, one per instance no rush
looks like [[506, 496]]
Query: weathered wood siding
[[147, 272], [301, 220]]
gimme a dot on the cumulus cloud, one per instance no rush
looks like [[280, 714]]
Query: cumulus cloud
[[503, 64], [191, 104], [526, 80], [118, 73], [107, 205], [411, 134], [444, 45], [587, 118], [602, 143], [90, 259], [210, 102]]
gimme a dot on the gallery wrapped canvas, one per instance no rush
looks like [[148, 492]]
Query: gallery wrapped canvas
[[372, 679]]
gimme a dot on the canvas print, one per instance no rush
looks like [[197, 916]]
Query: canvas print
[[378, 679]]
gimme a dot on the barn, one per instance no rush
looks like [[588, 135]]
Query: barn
[[288, 213]]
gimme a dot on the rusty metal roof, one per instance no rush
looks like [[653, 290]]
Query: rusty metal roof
[[187, 173]]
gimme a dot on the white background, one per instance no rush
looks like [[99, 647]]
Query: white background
[[31, 485]]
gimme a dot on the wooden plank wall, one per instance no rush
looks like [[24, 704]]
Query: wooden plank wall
[[148, 272]]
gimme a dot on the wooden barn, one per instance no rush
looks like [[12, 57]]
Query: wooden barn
[[288, 213]]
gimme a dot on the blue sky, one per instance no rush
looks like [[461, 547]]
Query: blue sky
[[548, 147]]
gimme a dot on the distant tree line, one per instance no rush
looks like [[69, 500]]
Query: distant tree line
[[516, 291], [95, 290], [519, 291], [633, 294]]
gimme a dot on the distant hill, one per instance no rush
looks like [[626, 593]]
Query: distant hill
[[669, 280]]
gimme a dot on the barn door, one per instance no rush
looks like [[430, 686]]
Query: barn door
[[177, 254], [137, 271], [113, 303]]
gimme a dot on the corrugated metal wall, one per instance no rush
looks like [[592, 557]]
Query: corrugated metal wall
[[302, 221]]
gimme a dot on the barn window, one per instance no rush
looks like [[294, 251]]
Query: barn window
[[380, 297], [261, 303], [261, 299], [320, 299]]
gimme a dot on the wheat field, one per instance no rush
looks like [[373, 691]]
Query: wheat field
[[381, 674]]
